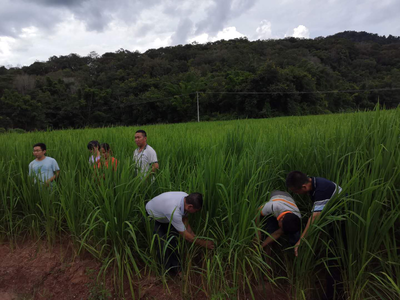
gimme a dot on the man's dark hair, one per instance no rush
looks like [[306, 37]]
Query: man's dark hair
[[291, 224], [105, 146], [142, 132], [41, 145], [296, 179], [93, 144], [196, 199]]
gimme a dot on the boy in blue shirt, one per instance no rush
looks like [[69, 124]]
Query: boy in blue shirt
[[43, 168]]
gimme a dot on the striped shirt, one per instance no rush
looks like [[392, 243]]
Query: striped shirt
[[280, 203], [322, 191], [144, 159]]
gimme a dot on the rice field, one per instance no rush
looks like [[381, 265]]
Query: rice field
[[235, 164]]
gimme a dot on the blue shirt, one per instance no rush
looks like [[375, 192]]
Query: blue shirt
[[323, 191], [44, 169]]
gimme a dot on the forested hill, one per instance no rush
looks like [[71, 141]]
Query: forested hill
[[125, 88]]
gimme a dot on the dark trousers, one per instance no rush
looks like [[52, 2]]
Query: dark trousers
[[272, 225], [167, 247]]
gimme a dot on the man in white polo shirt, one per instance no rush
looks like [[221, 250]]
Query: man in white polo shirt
[[283, 218], [170, 210], [144, 157]]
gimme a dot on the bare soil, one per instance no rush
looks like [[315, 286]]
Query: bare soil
[[34, 271]]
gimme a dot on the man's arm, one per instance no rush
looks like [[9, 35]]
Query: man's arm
[[274, 236], [314, 216], [56, 175], [154, 167], [190, 237], [185, 221]]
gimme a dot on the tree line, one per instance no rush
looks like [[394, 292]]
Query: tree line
[[161, 85]]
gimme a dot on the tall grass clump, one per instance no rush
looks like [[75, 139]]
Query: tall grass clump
[[235, 164]]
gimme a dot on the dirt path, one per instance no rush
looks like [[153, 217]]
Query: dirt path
[[33, 271]]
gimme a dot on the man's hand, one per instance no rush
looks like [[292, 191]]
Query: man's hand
[[209, 245]]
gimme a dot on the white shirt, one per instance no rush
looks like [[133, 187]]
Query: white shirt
[[144, 159], [168, 207]]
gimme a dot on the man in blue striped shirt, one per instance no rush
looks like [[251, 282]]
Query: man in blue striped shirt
[[321, 190]]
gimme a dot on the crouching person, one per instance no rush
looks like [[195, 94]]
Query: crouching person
[[282, 218], [170, 211]]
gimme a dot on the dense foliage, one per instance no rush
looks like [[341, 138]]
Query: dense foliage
[[125, 88], [235, 164]]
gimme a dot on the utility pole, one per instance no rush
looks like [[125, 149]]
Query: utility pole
[[198, 108]]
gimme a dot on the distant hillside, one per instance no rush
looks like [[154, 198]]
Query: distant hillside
[[125, 87]]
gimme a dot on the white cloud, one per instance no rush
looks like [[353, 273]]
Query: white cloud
[[264, 30], [71, 36], [6, 44], [301, 31], [227, 33]]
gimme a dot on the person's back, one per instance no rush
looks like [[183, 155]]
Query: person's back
[[322, 191], [282, 218], [168, 206]]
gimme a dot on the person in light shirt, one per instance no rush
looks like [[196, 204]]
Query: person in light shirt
[[43, 168], [144, 157], [94, 149], [170, 213], [282, 219]]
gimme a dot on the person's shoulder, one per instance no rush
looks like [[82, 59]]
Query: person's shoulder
[[50, 159], [32, 162], [323, 183], [150, 148]]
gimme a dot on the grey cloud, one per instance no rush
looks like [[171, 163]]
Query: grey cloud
[[67, 3], [20, 15], [180, 36], [45, 14], [143, 29], [220, 12]]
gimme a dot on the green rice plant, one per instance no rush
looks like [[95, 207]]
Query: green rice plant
[[235, 164]]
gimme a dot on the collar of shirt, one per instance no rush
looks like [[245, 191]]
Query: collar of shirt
[[142, 150]]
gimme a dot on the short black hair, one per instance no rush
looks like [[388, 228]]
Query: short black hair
[[105, 146], [142, 132], [296, 179], [41, 145], [196, 199], [291, 224], [93, 144]]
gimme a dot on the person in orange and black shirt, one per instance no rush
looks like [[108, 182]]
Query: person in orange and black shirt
[[106, 159]]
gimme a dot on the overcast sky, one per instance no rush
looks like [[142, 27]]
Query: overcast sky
[[34, 30]]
